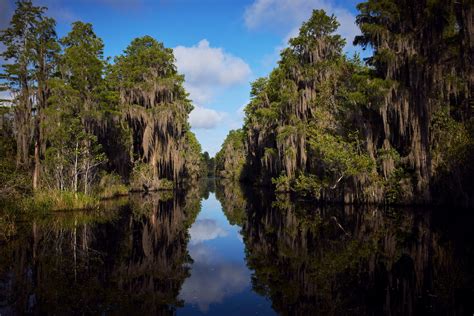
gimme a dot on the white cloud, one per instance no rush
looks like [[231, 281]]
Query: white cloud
[[208, 70], [206, 118], [6, 95], [237, 121], [286, 16]]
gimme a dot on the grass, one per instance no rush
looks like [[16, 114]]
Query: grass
[[56, 200], [114, 190]]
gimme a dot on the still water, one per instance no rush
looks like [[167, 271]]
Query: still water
[[231, 250]]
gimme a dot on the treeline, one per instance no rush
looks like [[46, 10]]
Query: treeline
[[397, 128], [80, 122]]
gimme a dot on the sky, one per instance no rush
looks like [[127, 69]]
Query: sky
[[220, 46]]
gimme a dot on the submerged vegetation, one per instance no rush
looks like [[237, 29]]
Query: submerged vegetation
[[395, 129], [80, 126]]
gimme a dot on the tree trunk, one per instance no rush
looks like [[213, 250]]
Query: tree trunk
[[75, 167], [86, 177], [36, 172]]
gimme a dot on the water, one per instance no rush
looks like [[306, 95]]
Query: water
[[219, 283], [231, 250]]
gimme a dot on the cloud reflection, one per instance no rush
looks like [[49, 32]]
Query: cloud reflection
[[205, 229], [212, 280]]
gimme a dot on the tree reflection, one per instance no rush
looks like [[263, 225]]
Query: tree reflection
[[353, 260], [128, 258], [231, 196]]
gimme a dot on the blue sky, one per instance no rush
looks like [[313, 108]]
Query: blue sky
[[220, 45]]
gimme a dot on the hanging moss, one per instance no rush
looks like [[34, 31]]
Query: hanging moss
[[300, 120], [155, 106], [423, 47], [339, 129]]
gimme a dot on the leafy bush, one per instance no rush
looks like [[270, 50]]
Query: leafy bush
[[111, 185], [282, 183], [309, 185], [143, 179]]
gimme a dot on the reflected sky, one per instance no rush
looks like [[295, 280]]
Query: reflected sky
[[220, 280], [205, 229]]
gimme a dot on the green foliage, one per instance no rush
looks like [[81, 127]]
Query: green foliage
[[14, 182], [165, 184], [142, 176], [452, 140], [309, 185], [30, 53], [82, 61], [7, 227], [69, 110], [319, 26], [142, 179], [393, 188], [110, 186], [147, 62], [74, 152], [282, 183], [301, 124], [155, 107], [339, 157], [195, 166], [209, 165], [230, 160]]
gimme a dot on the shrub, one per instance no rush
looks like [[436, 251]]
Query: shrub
[[111, 185], [282, 183], [142, 179]]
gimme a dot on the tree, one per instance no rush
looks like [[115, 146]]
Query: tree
[[74, 112], [230, 159], [31, 49], [425, 49], [209, 165], [298, 126], [155, 106]]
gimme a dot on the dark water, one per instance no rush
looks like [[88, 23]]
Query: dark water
[[228, 250]]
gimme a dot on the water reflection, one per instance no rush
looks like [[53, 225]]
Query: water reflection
[[351, 260], [124, 259], [236, 252], [205, 229], [220, 280], [213, 279]]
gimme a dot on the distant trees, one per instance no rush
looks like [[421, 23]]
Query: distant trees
[[209, 164], [230, 159]]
